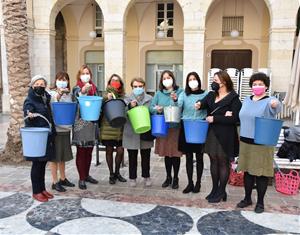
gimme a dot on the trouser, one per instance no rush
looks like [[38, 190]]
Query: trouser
[[145, 162], [37, 174]]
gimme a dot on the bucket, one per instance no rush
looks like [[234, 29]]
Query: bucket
[[140, 119], [114, 111], [34, 139], [195, 131], [267, 131], [90, 107], [64, 113], [159, 127], [172, 114]]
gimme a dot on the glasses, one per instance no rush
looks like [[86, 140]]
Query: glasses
[[141, 86]]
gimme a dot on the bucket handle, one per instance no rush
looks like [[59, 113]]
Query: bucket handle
[[40, 115]]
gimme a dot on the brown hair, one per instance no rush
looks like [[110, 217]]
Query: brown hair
[[83, 67], [59, 76], [225, 79], [161, 86], [122, 90], [137, 79]]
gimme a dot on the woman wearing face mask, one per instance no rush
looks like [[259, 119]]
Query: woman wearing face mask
[[38, 101], [223, 106], [84, 132], [256, 160], [61, 93], [111, 137], [168, 146], [134, 142], [186, 100]]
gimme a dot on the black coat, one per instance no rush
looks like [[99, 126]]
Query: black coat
[[38, 104], [224, 127]]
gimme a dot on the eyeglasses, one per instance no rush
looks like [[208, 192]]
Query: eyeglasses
[[141, 86]]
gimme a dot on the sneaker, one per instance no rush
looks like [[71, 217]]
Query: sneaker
[[66, 182], [132, 182], [57, 186], [147, 182]]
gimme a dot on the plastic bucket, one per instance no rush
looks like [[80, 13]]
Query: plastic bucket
[[172, 114], [90, 107], [195, 131], [114, 111], [267, 131], [140, 119], [34, 141], [159, 127], [64, 113]]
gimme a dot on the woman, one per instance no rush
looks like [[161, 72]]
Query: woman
[[38, 102], [223, 106], [186, 100], [61, 93], [168, 146], [112, 137], [256, 160], [134, 142], [84, 132]]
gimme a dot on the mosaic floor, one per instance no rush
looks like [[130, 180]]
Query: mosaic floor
[[19, 214]]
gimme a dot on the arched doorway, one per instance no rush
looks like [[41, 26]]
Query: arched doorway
[[60, 44]]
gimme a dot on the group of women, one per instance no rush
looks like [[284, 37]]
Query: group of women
[[221, 108]]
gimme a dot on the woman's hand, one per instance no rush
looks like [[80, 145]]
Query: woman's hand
[[110, 96], [210, 119], [159, 109], [274, 104], [30, 115], [228, 114], [197, 105], [85, 89], [173, 96], [133, 103]]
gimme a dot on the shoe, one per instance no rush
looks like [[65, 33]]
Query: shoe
[[167, 182], [259, 208], [91, 180], [211, 194], [47, 194], [112, 179], [244, 203], [66, 182], [175, 183], [57, 186], [40, 197], [218, 197], [148, 182], [81, 184], [132, 182], [189, 188], [120, 178], [197, 187]]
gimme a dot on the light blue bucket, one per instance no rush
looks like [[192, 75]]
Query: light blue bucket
[[195, 131], [90, 107], [267, 131]]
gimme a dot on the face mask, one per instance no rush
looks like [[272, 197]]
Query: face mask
[[258, 90], [85, 78], [138, 91], [215, 86], [193, 84], [40, 90], [61, 84], [115, 84], [168, 83]]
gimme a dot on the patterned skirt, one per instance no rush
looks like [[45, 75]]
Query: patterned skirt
[[168, 146]]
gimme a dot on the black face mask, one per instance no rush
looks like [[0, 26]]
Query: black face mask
[[39, 90], [215, 86]]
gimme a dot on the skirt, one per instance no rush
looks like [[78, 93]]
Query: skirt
[[63, 151], [256, 159], [212, 145], [168, 146], [112, 143], [185, 147]]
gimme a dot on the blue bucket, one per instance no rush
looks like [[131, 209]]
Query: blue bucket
[[34, 141], [267, 131], [195, 131], [159, 127], [90, 107], [64, 113]]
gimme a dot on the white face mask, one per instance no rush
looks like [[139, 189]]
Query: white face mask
[[85, 78], [168, 83], [61, 84], [193, 84]]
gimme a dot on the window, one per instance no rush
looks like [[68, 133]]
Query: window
[[230, 23], [165, 20], [99, 22]]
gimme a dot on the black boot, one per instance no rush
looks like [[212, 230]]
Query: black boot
[[120, 178], [167, 182], [218, 197], [112, 179], [175, 183], [189, 188], [81, 184], [197, 187], [211, 194]]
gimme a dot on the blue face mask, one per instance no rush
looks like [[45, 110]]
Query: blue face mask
[[138, 91]]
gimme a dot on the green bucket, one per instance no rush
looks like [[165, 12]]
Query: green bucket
[[140, 119]]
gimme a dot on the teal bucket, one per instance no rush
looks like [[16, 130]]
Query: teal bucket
[[64, 113], [34, 141], [195, 131], [267, 131], [90, 107]]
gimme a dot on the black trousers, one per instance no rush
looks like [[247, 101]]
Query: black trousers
[[38, 170], [145, 162]]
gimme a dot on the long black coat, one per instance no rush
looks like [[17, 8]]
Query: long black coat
[[37, 104], [224, 127]]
